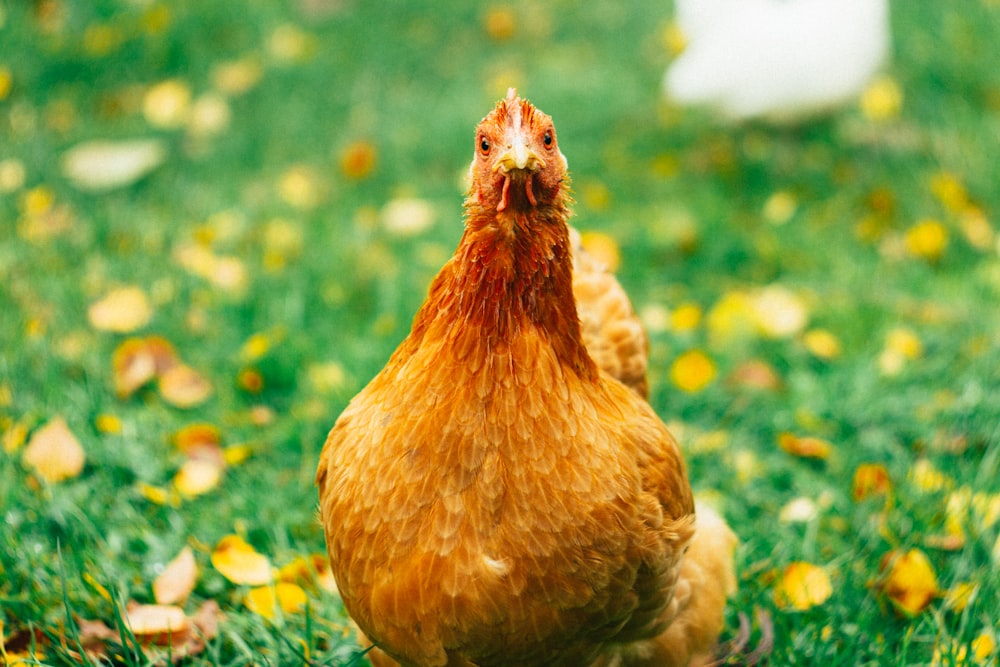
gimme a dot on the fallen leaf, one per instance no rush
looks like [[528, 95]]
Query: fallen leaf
[[183, 387], [685, 317], [137, 361], [358, 159], [309, 570], [97, 166], [122, 310], [407, 216], [870, 479], [167, 104], [755, 374], [692, 371], [779, 312], [177, 580], [54, 452], [266, 600], [202, 442], [798, 510], [159, 624], [802, 586], [822, 344], [805, 447], [910, 582], [927, 239], [240, 563], [197, 477], [882, 99]]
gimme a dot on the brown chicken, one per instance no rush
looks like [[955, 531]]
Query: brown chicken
[[493, 497]]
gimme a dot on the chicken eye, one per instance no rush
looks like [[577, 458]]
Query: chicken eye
[[547, 139], [484, 145]]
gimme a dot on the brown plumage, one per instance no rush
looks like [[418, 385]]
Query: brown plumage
[[492, 497]]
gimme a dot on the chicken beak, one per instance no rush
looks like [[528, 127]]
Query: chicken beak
[[519, 156]]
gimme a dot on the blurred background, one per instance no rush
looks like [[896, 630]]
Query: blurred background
[[259, 193]]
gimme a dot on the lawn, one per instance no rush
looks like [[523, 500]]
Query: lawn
[[178, 338]]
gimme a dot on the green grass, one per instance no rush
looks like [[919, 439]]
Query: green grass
[[412, 81]]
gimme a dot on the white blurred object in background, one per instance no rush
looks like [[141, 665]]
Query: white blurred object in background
[[779, 60]]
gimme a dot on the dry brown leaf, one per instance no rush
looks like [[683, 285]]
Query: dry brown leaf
[[240, 563], [802, 586], [183, 387], [910, 581], [137, 361], [755, 374], [122, 310], [202, 442], [870, 479], [156, 623], [805, 447], [54, 452], [177, 580]]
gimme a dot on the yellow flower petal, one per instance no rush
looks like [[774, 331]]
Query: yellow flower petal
[[240, 563], [602, 248], [779, 312], [358, 160], [685, 317], [692, 371], [54, 452], [802, 586]]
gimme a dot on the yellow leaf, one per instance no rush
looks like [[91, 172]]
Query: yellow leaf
[[157, 623], [137, 361], [266, 600], [407, 216], [692, 371], [54, 452], [882, 99], [686, 317], [108, 424], [236, 454], [926, 477], [183, 387], [732, 316], [928, 239], [910, 582], [236, 77], [802, 586], [755, 374], [96, 585], [822, 344], [780, 207], [870, 479], [202, 442], [240, 563], [167, 104], [806, 447], [358, 159], [197, 477], [779, 313], [958, 596], [314, 568], [122, 310], [177, 580]]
